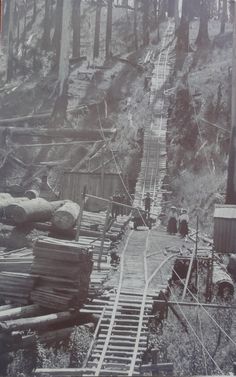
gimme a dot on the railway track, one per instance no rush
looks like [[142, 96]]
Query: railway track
[[121, 336], [153, 166], [123, 329]]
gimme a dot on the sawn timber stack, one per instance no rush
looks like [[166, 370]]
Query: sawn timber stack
[[62, 273]]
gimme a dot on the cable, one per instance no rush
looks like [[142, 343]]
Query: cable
[[201, 334], [216, 323], [199, 129], [191, 327]]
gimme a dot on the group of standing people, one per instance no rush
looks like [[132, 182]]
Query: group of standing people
[[178, 222], [117, 209]]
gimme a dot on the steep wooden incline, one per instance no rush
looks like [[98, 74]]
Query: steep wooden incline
[[153, 166], [121, 335]]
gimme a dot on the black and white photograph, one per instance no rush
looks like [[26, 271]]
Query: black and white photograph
[[117, 188]]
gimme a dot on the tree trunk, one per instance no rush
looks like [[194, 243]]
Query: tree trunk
[[34, 10], [56, 41], [59, 111], [76, 28], [46, 27], [109, 29], [96, 45], [5, 18], [146, 7], [18, 32], [203, 40], [24, 27], [135, 24], [155, 9], [10, 41], [182, 32], [177, 14], [223, 17]]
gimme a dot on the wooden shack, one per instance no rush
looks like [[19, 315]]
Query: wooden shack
[[225, 229], [74, 182]]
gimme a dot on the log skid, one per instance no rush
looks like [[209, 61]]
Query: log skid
[[34, 210], [65, 217]]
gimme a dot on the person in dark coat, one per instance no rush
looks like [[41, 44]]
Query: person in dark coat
[[172, 221], [147, 202], [115, 207], [123, 201], [183, 223]]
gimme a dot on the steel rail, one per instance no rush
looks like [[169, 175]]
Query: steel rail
[[100, 363]]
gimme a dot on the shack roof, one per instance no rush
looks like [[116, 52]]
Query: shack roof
[[225, 211]]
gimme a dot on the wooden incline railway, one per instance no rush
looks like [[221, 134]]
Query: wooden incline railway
[[120, 338]]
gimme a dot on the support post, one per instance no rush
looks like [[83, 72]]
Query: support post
[[154, 359], [234, 369], [196, 251], [79, 221], [102, 172], [104, 234], [231, 180]]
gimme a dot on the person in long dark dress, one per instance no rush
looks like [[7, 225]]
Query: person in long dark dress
[[172, 221], [183, 223]]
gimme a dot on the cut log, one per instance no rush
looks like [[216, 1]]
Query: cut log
[[65, 217], [39, 322], [31, 194], [11, 203], [24, 311], [6, 199], [34, 210], [52, 336]]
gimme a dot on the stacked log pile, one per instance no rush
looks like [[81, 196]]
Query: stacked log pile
[[32, 210], [16, 287], [62, 270]]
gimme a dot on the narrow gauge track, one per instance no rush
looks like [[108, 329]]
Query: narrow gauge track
[[123, 326], [122, 335], [153, 165]]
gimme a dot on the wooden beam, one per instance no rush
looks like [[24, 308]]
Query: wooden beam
[[82, 134], [195, 304], [104, 234], [158, 368]]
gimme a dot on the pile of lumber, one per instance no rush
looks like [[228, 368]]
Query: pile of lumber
[[62, 273], [19, 260], [16, 287], [93, 221]]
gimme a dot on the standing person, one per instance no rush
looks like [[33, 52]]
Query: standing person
[[115, 207], [147, 202], [172, 221], [123, 201], [183, 223]]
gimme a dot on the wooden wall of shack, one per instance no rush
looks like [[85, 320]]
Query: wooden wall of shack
[[73, 184], [225, 229]]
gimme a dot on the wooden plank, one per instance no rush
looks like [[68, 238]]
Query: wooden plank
[[158, 368]]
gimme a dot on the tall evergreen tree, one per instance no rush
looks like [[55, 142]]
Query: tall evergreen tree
[[10, 56], [182, 31], [56, 41], [96, 46], [109, 29], [203, 35], [76, 27], [46, 41], [59, 111]]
